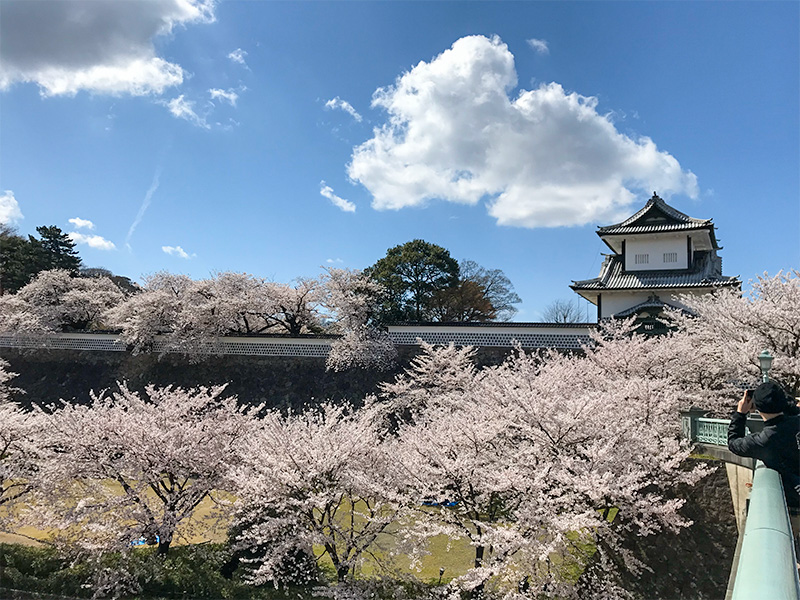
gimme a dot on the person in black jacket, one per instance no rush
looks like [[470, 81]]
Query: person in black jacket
[[777, 444]]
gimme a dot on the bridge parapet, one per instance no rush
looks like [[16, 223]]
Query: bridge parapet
[[766, 565]]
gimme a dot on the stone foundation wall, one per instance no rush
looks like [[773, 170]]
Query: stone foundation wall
[[47, 375], [695, 563]]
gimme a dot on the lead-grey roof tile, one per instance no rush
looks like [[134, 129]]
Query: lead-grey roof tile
[[613, 277]]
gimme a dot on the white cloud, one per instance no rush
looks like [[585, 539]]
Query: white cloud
[[332, 261], [327, 192], [100, 46], [184, 109], [81, 223], [237, 56], [539, 46], [93, 241], [9, 208], [177, 251], [345, 106], [457, 132], [228, 95]]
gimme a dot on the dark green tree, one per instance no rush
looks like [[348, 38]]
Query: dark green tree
[[57, 249], [17, 258], [412, 274], [21, 259]]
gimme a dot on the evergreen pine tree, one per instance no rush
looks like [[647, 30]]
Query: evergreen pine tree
[[57, 250]]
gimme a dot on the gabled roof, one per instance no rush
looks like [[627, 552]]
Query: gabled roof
[[706, 274], [656, 216], [653, 302]]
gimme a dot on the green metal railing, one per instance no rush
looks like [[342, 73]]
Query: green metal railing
[[700, 429], [767, 562], [711, 431], [766, 566]]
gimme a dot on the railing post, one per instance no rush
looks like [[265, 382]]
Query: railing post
[[689, 422]]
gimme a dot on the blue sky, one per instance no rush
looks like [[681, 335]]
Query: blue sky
[[275, 137]]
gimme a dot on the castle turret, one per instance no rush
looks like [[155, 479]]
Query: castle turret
[[656, 255]]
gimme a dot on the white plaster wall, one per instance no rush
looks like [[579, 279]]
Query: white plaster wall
[[655, 248], [612, 303]]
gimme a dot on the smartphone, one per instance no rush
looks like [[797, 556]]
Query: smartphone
[[748, 394]]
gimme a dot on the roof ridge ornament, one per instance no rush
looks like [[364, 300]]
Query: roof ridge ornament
[[655, 216]]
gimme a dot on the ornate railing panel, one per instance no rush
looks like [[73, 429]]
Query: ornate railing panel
[[712, 431], [706, 430]]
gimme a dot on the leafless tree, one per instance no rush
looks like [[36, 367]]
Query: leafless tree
[[562, 311]]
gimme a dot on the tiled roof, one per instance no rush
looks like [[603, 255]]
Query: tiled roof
[[612, 229], [652, 302], [612, 276], [656, 215]]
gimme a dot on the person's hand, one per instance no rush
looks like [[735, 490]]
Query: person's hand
[[746, 403]]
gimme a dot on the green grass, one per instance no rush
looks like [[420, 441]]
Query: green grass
[[455, 556]]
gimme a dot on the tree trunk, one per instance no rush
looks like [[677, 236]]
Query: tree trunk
[[477, 591], [341, 572], [341, 569], [479, 550], [163, 547]]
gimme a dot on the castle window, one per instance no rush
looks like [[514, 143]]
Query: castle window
[[641, 259], [670, 257]]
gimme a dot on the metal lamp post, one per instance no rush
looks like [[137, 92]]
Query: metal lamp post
[[765, 361]]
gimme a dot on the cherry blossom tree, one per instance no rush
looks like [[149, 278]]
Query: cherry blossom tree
[[362, 348], [18, 316], [732, 328], [133, 466], [19, 444], [157, 310], [295, 307], [438, 374], [350, 299], [457, 460], [531, 459], [56, 300], [319, 479], [228, 303], [19, 450], [190, 316]]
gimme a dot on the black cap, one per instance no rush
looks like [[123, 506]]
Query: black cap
[[769, 398]]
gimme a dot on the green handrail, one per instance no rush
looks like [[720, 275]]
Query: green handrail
[[767, 562]]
